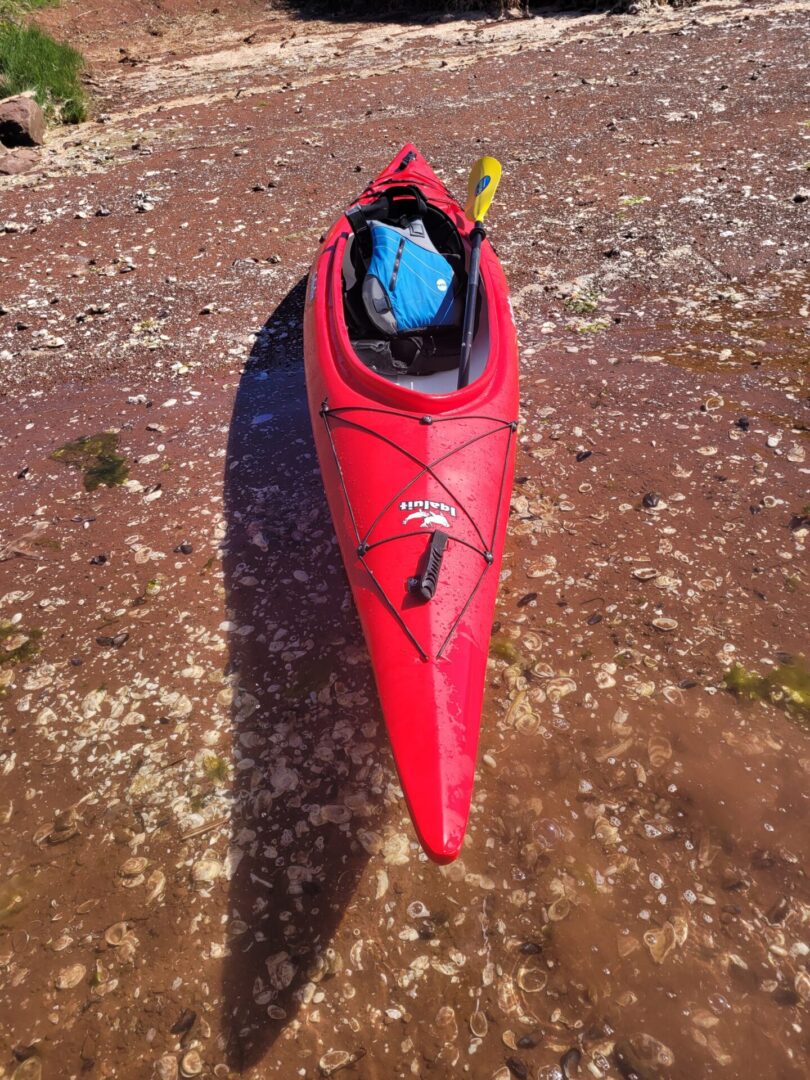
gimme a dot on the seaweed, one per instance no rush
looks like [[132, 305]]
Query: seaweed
[[787, 685], [98, 458], [505, 649], [215, 768], [17, 645]]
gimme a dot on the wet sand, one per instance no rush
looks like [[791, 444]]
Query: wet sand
[[207, 867]]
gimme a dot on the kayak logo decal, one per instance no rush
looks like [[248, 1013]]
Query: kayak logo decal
[[482, 184], [431, 513], [428, 519]]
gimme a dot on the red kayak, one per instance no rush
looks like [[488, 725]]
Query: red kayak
[[418, 473]]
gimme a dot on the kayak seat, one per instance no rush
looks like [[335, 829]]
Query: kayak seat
[[404, 282]]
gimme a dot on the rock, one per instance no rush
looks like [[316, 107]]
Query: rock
[[802, 195], [143, 203], [15, 162], [21, 121]]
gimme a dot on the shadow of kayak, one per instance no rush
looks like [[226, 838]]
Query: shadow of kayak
[[303, 700]]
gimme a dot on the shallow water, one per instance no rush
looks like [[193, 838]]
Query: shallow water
[[631, 887]]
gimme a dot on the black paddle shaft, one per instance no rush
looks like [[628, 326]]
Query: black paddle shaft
[[478, 235]]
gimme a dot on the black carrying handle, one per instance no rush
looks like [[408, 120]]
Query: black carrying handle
[[427, 582]]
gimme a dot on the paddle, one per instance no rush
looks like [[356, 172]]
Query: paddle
[[484, 179]]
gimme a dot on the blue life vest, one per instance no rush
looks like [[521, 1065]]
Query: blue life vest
[[409, 286]]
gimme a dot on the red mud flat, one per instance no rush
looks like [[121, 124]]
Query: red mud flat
[[206, 864]]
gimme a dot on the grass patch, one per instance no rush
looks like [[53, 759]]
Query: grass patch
[[633, 200], [18, 9], [97, 457], [787, 685], [30, 60]]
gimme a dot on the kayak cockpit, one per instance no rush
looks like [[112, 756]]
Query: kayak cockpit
[[446, 382], [403, 277]]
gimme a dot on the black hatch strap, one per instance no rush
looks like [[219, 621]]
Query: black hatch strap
[[364, 542]]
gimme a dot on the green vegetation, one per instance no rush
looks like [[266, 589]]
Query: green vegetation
[[15, 894], [504, 649], [17, 645], [99, 974], [17, 9], [592, 327], [633, 200], [584, 303], [215, 768], [30, 60], [97, 457], [787, 685]]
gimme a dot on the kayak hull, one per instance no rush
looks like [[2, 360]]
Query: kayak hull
[[398, 464]]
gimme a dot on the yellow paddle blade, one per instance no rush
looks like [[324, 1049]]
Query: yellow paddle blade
[[484, 180]]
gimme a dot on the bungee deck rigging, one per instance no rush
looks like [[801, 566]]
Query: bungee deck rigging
[[364, 542]]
